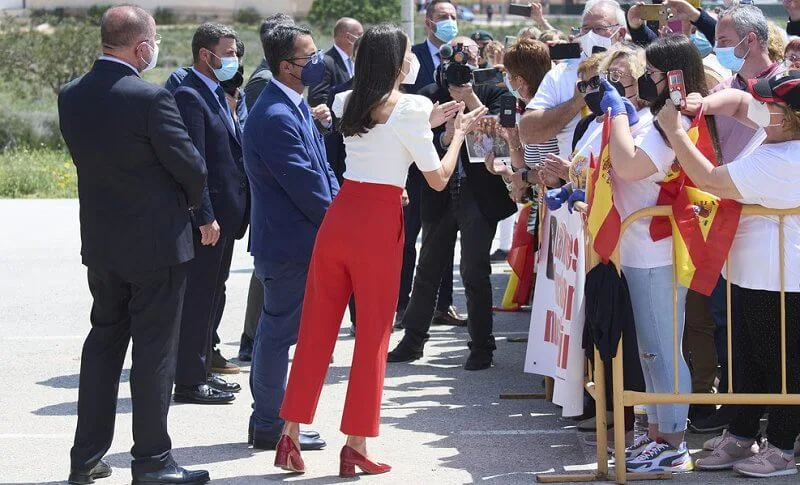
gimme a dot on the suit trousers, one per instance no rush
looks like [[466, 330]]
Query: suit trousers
[[284, 288], [358, 250], [145, 307], [438, 239], [413, 224], [255, 305], [203, 304]]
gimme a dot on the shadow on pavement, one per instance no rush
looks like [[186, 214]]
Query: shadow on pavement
[[71, 381], [124, 406]]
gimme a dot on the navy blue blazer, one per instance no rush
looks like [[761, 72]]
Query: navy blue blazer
[[226, 197], [291, 183], [426, 69]]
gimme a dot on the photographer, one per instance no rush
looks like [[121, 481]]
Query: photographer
[[472, 204], [768, 176]]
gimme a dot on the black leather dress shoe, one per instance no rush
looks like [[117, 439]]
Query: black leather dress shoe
[[449, 317], [246, 349], [498, 256], [202, 394], [404, 353], [479, 359], [221, 384], [171, 474], [101, 470], [307, 442]]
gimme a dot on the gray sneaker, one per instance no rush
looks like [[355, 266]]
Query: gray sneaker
[[769, 462], [728, 452]]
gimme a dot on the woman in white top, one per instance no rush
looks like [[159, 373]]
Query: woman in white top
[[639, 162], [359, 245], [768, 175]]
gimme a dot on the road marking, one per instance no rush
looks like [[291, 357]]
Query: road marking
[[502, 432], [44, 337]]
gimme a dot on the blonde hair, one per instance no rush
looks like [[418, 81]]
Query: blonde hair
[[792, 117], [634, 56], [493, 52], [776, 44], [591, 63]]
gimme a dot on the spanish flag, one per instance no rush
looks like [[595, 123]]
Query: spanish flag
[[603, 221], [703, 230], [675, 180], [521, 258]]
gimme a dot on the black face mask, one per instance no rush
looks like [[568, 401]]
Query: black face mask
[[648, 90], [592, 101], [231, 85]]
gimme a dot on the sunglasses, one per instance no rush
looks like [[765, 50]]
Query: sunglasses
[[593, 84]]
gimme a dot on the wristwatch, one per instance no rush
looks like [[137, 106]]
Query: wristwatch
[[524, 174]]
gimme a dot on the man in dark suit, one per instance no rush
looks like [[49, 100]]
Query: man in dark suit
[[138, 175], [472, 205], [222, 216], [292, 186], [427, 52], [255, 85], [339, 60]]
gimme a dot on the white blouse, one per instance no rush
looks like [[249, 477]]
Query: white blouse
[[384, 154]]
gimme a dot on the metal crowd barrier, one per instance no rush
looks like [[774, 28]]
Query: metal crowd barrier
[[622, 398]]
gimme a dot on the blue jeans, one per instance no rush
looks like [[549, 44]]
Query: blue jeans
[[651, 298], [284, 289]]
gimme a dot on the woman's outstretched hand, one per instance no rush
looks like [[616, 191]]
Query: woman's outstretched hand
[[443, 112], [466, 122]]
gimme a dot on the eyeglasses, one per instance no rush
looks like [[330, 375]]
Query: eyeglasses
[[615, 76], [593, 84], [157, 39], [604, 30], [312, 59]]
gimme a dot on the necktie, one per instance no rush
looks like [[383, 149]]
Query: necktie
[[224, 103], [306, 115], [350, 66]]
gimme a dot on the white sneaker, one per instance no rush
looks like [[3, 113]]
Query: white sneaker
[[660, 456], [639, 445]]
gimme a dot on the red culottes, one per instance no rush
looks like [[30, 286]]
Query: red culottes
[[358, 250]]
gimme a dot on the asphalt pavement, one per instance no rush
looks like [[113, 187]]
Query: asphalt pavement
[[441, 424]]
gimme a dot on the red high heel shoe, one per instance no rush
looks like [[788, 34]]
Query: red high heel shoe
[[287, 456], [350, 459]]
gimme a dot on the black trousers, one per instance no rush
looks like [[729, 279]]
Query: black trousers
[[757, 354], [438, 240], [255, 304], [203, 305], [145, 307], [413, 224]]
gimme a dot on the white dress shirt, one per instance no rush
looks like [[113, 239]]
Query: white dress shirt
[[346, 58], [105, 57]]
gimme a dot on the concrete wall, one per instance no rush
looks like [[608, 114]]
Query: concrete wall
[[225, 8]]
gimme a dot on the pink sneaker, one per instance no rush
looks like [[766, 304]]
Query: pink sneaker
[[727, 453], [769, 462]]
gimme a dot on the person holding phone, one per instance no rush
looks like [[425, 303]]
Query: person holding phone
[[360, 242], [767, 175], [639, 162]]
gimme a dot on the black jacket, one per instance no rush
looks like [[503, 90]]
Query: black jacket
[[226, 198], [490, 190], [138, 171], [335, 74], [334, 141]]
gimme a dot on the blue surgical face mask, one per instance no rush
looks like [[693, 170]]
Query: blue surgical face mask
[[313, 70], [702, 44], [446, 30], [510, 88], [728, 59], [228, 69]]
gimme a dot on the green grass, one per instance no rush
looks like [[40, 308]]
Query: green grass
[[37, 173]]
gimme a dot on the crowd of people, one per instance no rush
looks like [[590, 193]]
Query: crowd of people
[[334, 161]]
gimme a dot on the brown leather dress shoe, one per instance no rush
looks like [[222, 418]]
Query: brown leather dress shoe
[[220, 365], [450, 317]]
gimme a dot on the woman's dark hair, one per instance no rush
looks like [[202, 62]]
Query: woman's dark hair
[[677, 52], [380, 59]]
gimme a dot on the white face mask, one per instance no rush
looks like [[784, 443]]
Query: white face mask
[[590, 40], [153, 59], [413, 71], [758, 113]]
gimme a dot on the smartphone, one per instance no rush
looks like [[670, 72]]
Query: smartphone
[[490, 76], [523, 10], [508, 111], [509, 40], [651, 12], [565, 51], [677, 90]]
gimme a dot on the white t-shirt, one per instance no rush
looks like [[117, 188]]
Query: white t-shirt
[[384, 153], [769, 176], [637, 248], [558, 87]]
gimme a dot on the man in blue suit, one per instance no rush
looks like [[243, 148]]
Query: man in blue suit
[[222, 216], [441, 28], [292, 187]]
